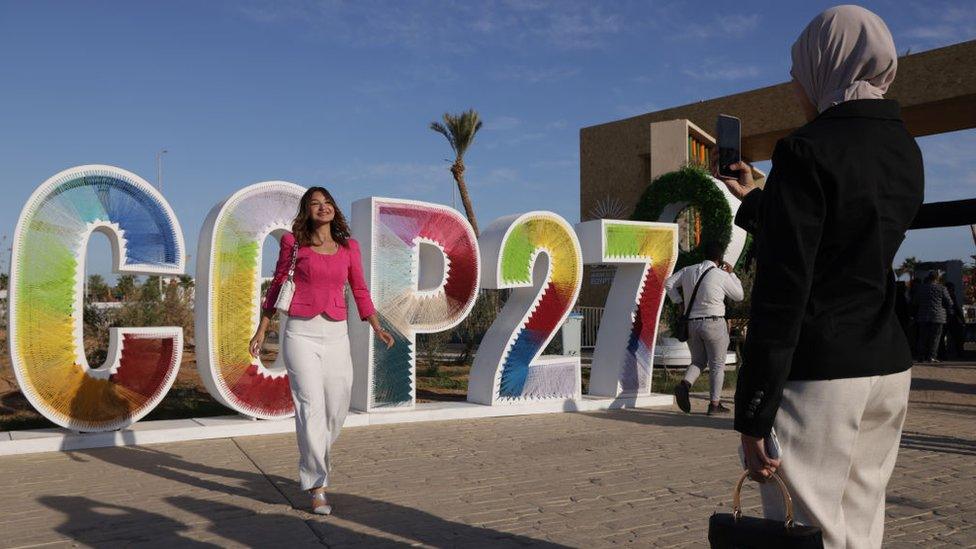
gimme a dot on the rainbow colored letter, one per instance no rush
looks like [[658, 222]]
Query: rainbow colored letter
[[645, 255], [228, 289], [421, 264], [46, 281], [507, 367]]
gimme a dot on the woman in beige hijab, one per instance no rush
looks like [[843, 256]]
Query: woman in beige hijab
[[826, 366]]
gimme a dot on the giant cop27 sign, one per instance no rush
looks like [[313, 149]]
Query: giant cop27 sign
[[423, 264]]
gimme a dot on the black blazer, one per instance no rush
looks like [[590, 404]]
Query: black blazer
[[843, 190]]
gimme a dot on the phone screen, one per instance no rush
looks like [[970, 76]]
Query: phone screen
[[729, 142]]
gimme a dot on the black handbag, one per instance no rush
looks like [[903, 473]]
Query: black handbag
[[681, 327], [728, 531]]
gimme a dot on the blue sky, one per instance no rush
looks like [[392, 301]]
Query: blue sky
[[341, 94]]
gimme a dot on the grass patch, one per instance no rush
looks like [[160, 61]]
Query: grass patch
[[450, 381], [665, 384], [445, 382]]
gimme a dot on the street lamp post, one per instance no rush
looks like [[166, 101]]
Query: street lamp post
[[159, 187], [3, 305], [159, 169], [453, 191]]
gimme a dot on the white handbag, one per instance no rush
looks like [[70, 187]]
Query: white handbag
[[287, 291]]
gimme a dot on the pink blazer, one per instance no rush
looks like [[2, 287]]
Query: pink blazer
[[320, 281]]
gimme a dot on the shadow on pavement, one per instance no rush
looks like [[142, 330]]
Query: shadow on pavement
[[249, 528], [263, 488], [938, 443], [929, 384], [99, 524], [666, 418], [94, 522], [413, 524], [946, 365]]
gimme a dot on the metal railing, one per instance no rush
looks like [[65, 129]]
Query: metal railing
[[591, 325]]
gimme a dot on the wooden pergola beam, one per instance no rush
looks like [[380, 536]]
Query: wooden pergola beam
[[936, 90]]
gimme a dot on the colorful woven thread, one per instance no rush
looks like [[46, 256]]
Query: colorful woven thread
[[656, 244], [46, 303], [230, 286], [535, 308], [399, 228]]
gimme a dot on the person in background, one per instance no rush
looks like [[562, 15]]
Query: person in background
[[933, 303], [708, 332], [902, 306], [955, 326], [826, 361], [913, 286]]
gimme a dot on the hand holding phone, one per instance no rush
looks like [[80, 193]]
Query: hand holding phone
[[743, 184], [729, 131], [736, 174]]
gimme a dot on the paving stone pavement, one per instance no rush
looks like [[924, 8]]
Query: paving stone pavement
[[647, 478]]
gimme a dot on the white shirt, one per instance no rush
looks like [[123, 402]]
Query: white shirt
[[710, 300]]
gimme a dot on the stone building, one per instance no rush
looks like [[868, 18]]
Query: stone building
[[618, 160]]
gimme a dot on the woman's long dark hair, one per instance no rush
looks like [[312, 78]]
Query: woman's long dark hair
[[303, 226]]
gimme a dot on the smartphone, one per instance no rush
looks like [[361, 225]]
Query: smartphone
[[772, 444], [729, 131]]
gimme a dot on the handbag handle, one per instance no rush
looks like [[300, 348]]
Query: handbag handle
[[294, 259], [737, 505]]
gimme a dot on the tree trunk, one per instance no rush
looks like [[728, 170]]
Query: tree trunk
[[457, 170]]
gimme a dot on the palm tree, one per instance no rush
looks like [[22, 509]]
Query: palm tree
[[151, 290], [459, 130], [98, 290], [186, 282], [908, 266], [186, 285], [125, 287]]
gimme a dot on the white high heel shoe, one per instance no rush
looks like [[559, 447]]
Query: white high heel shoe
[[320, 505]]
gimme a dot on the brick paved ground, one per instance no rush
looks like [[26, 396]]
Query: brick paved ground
[[645, 478]]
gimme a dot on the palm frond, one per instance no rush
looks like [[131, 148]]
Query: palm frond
[[459, 130], [439, 128]]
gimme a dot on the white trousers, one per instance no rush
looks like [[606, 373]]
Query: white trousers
[[316, 353], [838, 440]]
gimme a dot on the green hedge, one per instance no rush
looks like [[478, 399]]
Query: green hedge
[[693, 185]]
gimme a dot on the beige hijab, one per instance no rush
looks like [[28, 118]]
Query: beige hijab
[[845, 53]]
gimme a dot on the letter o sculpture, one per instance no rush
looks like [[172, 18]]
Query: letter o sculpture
[[670, 193]]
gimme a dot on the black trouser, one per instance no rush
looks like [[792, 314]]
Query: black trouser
[[929, 334], [955, 339]]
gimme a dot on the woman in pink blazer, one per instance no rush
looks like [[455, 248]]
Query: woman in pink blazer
[[315, 342]]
